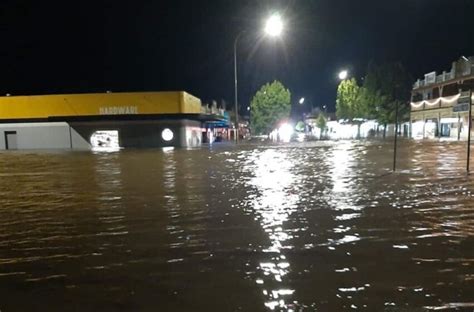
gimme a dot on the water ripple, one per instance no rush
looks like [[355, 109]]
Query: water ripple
[[311, 226]]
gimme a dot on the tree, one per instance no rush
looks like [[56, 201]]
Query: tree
[[321, 123], [270, 104], [300, 126], [346, 101], [385, 87]]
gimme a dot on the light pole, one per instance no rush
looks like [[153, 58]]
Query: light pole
[[236, 96], [273, 28]]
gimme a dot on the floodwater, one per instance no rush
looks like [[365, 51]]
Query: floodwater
[[301, 227]]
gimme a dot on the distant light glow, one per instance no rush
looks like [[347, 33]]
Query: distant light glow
[[301, 100], [167, 134], [274, 26], [285, 132], [343, 74]]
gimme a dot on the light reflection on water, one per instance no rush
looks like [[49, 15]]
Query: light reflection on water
[[277, 190], [312, 226]]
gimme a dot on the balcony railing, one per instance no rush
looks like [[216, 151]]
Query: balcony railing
[[440, 78]]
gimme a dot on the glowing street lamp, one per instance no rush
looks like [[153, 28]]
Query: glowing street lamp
[[343, 75], [301, 101], [273, 28]]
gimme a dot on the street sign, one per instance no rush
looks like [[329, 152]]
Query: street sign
[[463, 104], [464, 100], [462, 107]]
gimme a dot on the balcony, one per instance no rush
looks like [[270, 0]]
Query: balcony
[[418, 84], [439, 79]]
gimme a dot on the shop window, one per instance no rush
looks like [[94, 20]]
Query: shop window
[[105, 139]]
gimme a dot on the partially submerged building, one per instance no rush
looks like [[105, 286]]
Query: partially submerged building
[[439, 105], [102, 120]]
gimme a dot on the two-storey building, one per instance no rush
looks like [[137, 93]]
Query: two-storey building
[[435, 112]]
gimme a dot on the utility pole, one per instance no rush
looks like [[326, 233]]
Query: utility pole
[[469, 132], [395, 140], [236, 98], [461, 106]]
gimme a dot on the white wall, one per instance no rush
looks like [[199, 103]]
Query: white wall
[[48, 135], [78, 142]]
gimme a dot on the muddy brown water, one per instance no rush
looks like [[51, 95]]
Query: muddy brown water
[[298, 227]]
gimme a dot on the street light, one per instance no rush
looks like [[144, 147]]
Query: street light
[[343, 75], [301, 101], [273, 28]]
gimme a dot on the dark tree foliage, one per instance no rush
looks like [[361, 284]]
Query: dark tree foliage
[[385, 86]]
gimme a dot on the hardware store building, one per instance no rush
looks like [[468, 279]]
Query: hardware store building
[[101, 120]]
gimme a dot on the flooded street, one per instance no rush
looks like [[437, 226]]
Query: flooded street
[[312, 226]]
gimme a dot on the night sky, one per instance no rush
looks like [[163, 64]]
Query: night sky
[[81, 46]]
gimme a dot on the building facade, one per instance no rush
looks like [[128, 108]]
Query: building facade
[[101, 120], [439, 103]]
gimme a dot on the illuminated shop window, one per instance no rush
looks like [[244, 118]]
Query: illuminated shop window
[[105, 139]]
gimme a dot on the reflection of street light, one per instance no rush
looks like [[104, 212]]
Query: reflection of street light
[[301, 101], [273, 28], [343, 75]]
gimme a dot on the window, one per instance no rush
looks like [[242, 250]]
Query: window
[[105, 139]]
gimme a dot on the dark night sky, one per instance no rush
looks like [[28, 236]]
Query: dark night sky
[[81, 46]]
